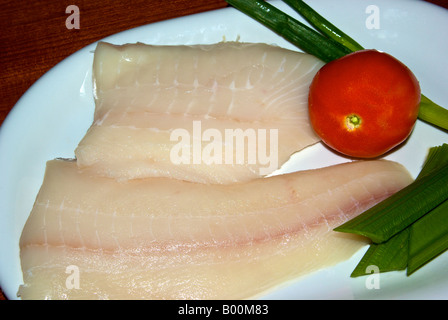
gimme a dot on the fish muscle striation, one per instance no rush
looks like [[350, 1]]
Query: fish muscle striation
[[93, 237], [220, 113]]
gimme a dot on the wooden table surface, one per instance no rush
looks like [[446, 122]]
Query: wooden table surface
[[34, 36]]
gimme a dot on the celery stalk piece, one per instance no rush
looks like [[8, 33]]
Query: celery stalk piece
[[403, 208], [391, 255], [323, 25], [436, 158], [428, 237]]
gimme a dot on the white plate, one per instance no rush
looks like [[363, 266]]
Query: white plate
[[54, 114]]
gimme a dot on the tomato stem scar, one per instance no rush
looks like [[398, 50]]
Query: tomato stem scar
[[353, 121]]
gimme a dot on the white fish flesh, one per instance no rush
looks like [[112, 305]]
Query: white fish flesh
[[220, 113], [92, 237]]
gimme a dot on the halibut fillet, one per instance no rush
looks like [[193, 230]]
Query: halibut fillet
[[92, 237], [247, 101]]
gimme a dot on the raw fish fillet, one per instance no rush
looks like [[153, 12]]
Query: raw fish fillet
[[161, 238], [145, 95]]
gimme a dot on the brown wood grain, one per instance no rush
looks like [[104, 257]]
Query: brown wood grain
[[34, 38]]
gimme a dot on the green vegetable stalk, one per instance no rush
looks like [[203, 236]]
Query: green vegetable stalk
[[328, 44], [291, 29], [403, 208], [410, 228], [424, 232], [428, 237], [432, 113], [389, 256], [323, 25]]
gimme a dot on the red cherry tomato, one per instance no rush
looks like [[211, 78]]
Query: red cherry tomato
[[364, 104]]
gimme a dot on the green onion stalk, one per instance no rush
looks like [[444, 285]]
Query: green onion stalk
[[409, 228], [326, 42]]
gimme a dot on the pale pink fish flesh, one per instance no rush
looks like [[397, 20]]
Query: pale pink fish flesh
[[161, 238], [143, 93]]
